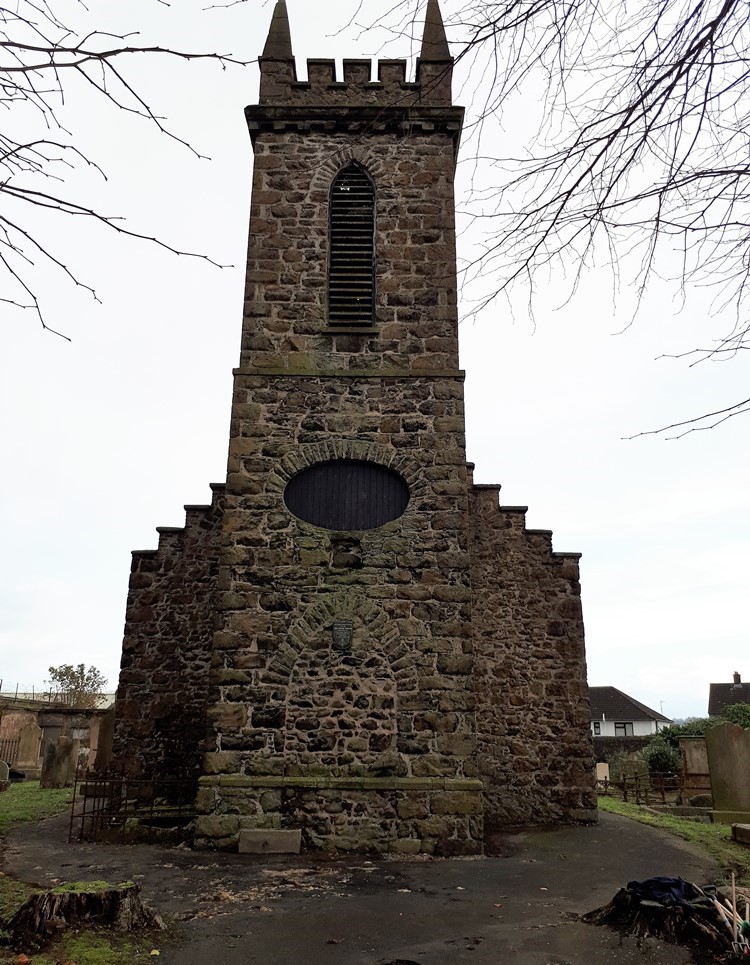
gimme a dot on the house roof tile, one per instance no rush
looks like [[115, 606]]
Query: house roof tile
[[609, 703], [724, 695]]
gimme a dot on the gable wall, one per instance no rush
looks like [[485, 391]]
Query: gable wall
[[534, 750], [160, 709]]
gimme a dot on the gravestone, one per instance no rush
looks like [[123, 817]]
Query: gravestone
[[4, 776], [103, 759], [60, 762], [728, 748], [696, 777], [29, 744]]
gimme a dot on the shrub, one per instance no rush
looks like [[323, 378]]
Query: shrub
[[661, 757]]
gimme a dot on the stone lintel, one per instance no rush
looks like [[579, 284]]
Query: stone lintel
[[377, 374], [344, 783], [350, 330]]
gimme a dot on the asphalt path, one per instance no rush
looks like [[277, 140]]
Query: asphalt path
[[519, 905]]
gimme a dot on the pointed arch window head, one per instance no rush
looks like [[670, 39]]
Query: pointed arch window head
[[351, 266]]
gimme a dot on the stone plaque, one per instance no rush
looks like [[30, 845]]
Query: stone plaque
[[342, 635]]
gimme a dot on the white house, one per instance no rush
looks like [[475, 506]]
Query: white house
[[614, 714]]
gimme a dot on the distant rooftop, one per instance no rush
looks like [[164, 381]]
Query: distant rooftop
[[724, 695], [609, 703]]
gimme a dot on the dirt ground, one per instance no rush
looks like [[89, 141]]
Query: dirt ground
[[519, 905]]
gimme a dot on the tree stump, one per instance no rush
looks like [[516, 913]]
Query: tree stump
[[42, 916], [693, 923]]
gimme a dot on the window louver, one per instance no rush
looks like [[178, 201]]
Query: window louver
[[351, 278]]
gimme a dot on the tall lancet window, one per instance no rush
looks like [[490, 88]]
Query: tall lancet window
[[351, 269]]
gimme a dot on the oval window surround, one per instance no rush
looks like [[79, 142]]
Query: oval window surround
[[347, 495]]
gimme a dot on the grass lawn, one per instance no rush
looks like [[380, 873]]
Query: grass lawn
[[714, 839], [28, 802]]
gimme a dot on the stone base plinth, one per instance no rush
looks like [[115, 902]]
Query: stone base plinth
[[741, 833], [730, 817], [386, 815]]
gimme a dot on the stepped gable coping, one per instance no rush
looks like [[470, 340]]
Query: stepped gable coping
[[513, 509]]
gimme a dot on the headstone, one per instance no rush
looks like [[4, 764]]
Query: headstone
[[29, 743], [4, 776], [60, 762], [602, 771], [696, 779], [728, 748], [103, 759]]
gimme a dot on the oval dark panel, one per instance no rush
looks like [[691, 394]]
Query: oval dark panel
[[347, 494]]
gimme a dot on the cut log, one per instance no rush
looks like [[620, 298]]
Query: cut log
[[42, 916]]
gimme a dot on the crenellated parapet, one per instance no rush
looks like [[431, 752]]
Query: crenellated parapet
[[363, 84]]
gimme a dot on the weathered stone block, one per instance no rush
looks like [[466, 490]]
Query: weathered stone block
[[263, 841], [217, 826], [456, 802]]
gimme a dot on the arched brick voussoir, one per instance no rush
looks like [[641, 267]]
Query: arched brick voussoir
[[337, 161], [310, 455], [382, 634]]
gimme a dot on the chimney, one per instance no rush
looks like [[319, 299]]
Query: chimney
[[737, 681]]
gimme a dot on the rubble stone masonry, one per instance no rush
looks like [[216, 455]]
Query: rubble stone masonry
[[385, 689]]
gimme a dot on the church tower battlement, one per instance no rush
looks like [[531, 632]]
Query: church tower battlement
[[382, 658]]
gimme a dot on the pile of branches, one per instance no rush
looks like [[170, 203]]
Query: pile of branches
[[691, 920]]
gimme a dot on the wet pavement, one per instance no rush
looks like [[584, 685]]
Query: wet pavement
[[519, 905]]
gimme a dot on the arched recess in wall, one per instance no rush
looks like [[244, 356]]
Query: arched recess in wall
[[351, 249]]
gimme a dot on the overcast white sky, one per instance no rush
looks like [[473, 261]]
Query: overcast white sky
[[106, 437]]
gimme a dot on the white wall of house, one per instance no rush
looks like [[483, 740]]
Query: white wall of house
[[632, 728]]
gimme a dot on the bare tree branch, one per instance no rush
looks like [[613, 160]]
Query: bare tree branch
[[40, 59], [639, 159]]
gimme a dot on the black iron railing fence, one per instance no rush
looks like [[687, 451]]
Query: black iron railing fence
[[115, 806]]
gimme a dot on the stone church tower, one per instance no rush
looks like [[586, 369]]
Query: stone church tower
[[353, 639]]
